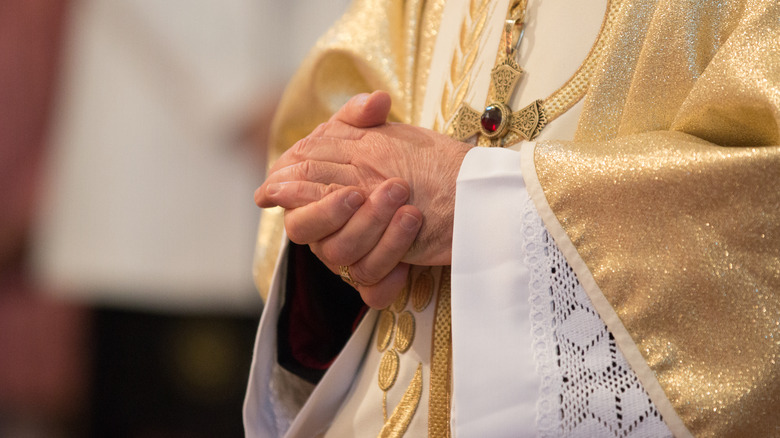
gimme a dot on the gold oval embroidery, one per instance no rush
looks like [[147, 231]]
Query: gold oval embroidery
[[388, 370], [400, 303], [422, 291], [404, 333], [384, 329], [402, 415]]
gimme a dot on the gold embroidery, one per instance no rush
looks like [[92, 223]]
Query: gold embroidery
[[496, 121], [388, 369], [530, 121], [384, 329], [422, 291], [403, 326], [574, 89], [404, 333], [384, 406], [400, 303], [463, 61], [402, 415], [441, 357]]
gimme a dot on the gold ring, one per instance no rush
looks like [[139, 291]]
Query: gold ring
[[344, 273]]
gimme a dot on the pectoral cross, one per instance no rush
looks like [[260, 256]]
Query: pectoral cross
[[497, 120]]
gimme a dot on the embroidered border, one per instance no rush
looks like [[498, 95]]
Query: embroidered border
[[441, 358]]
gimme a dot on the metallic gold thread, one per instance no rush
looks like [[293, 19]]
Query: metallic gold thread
[[404, 332], [402, 415], [422, 291], [544, 110], [388, 370], [463, 61], [400, 303], [384, 406], [384, 329], [441, 357]]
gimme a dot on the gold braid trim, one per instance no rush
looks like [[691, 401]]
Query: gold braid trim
[[441, 359], [396, 425], [575, 88]]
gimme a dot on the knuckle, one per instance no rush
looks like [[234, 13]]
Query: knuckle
[[330, 188], [305, 169], [294, 236], [377, 216], [300, 191], [337, 253], [398, 245], [322, 127], [295, 232], [316, 249], [299, 148], [361, 274], [329, 128], [372, 299], [303, 146], [332, 223]]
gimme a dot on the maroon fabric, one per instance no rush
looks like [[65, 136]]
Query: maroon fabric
[[43, 343], [30, 44], [319, 315]]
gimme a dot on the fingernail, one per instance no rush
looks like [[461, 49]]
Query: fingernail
[[354, 200], [409, 222], [273, 189], [398, 193]]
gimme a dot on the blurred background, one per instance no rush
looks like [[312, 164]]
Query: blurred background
[[131, 140]]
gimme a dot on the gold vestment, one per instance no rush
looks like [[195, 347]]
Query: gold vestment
[[666, 204]]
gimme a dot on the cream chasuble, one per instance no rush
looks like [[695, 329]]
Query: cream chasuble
[[666, 204], [551, 55]]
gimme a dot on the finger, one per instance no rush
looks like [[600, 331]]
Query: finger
[[390, 249], [361, 111], [365, 110], [337, 129], [308, 171], [293, 194], [319, 219], [315, 148], [384, 293], [364, 230]]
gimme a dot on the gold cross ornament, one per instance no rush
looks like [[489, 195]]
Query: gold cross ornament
[[498, 124]]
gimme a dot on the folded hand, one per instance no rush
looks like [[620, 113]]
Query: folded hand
[[357, 190]]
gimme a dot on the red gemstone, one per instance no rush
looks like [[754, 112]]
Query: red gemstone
[[491, 118]]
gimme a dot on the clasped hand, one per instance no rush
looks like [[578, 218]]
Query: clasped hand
[[371, 195]]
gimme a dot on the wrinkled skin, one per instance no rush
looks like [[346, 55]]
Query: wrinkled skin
[[370, 195]]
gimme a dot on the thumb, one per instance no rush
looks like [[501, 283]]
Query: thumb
[[365, 110]]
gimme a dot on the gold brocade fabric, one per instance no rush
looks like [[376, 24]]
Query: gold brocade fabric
[[667, 205], [377, 45]]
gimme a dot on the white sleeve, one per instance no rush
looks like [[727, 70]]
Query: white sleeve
[[262, 416], [277, 402], [530, 354], [495, 384]]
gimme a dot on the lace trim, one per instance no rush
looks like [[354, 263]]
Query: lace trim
[[536, 253], [587, 387]]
